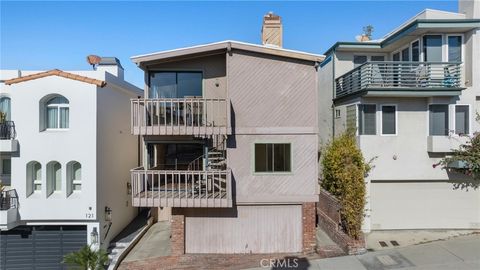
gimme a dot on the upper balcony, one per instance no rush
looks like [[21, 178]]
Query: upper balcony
[[8, 143], [180, 116], [407, 79]]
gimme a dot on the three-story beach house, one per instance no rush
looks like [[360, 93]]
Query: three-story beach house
[[412, 97], [229, 136]]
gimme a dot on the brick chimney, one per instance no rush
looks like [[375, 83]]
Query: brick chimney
[[272, 30]]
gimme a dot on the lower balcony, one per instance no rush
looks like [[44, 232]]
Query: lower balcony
[[181, 188], [8, 209], [445, 144], [8, 143]]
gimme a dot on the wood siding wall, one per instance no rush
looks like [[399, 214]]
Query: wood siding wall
[[248, 229], [272, 93], [213, 68], [273, 100]]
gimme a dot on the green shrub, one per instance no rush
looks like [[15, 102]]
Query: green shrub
[[86, 259], [344, 170]]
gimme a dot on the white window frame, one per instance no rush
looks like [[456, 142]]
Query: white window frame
[[453, 113], [420, 56], [381, 119], [291, 143], [58, 108], [339, 115], [462, 46], [400, 49]]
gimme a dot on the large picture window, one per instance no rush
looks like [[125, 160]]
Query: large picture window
[[272, 157], [175, 84]]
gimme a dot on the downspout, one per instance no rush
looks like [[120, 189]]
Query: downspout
[[333, 93], [138, 145]]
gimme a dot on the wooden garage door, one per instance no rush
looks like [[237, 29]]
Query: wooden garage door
[[255, 229]]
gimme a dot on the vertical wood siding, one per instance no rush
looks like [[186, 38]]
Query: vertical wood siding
[[252, 229]]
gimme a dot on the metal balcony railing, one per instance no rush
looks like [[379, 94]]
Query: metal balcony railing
[[400, 75], [181, 188], [179, 116], [7, 130], [8, 199]]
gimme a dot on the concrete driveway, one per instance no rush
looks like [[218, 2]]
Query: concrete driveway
[[155, 243], [460, 253]]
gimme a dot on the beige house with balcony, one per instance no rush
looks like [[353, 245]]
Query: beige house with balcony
[[412, 97], [229, 136]]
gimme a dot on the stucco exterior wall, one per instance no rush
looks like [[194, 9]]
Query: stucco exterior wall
[[78, 143], [116, 155]]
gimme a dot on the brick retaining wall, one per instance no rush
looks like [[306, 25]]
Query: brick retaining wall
[[329, 221]]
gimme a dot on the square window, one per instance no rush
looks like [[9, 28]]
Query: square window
[[272, 157]]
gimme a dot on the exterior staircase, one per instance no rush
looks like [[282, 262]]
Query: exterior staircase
[[121, 244]]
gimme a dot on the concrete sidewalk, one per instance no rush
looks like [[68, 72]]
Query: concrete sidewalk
[[460, 253]]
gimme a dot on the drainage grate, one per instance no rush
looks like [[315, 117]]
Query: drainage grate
[[383, 244], [395, 243], [386, 260]]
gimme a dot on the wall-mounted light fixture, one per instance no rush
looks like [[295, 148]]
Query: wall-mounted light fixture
[[108, 213], [94, 236], [129, 188]]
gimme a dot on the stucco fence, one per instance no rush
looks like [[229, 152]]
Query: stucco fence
[[329, 220]]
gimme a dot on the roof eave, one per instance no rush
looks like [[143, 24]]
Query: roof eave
[[143, 60]]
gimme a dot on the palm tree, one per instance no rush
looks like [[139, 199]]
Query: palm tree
[[86, 259]]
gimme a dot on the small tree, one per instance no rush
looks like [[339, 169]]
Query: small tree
[[344, 170], [87, 259], [468, 155]]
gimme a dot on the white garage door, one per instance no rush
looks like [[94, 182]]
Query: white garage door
[[423, 205], [255, 229]]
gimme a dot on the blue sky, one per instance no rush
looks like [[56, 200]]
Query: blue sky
[[46, 35]]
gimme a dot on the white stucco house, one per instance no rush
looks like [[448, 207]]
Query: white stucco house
[[412, 97], [63, 156]]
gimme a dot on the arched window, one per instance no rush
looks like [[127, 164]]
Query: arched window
[[57, 113], [74, 177], [5, 108], [34, 177], [54, 177]]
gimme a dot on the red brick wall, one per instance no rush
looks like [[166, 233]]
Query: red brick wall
[[309, 230], [328, 221], [178, 234]]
